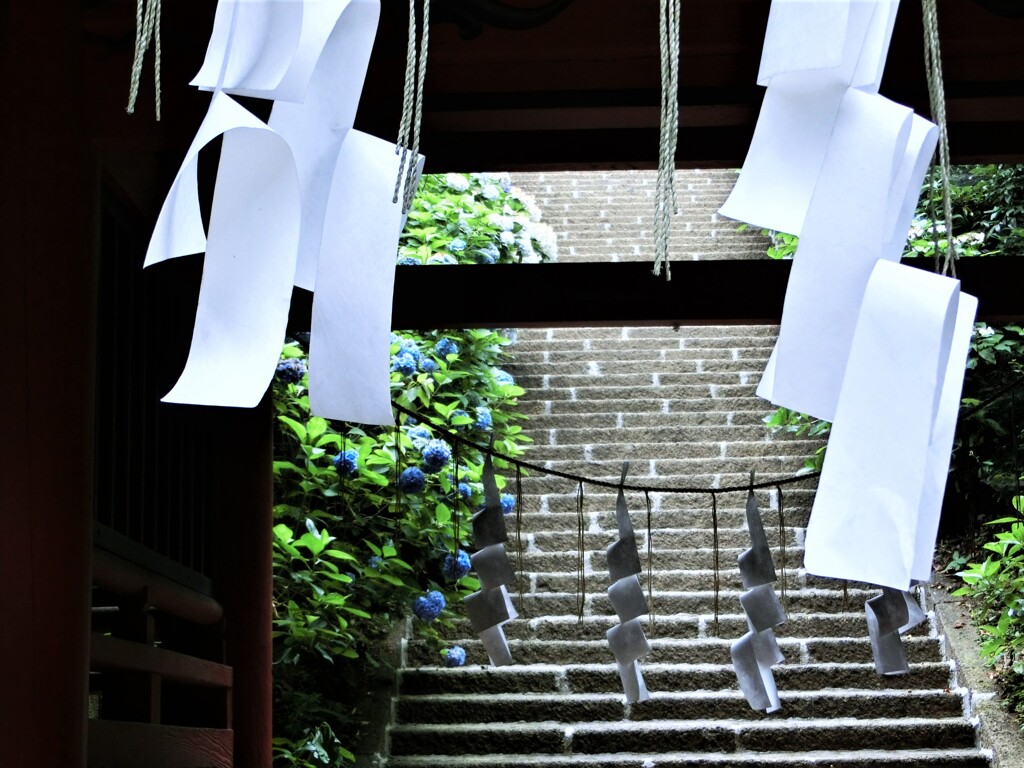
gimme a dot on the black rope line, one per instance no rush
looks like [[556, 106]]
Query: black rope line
[[1010, 386], [650, 566], [519, 540], [399, 461], [604, 483], [782, 550], [456, 522], [1013, 431], [714, 556], [581, 577]]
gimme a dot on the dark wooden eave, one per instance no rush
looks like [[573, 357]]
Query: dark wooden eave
[[627, 294], [575, 84]]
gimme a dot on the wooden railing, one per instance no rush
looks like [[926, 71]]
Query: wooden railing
[[156, 651]]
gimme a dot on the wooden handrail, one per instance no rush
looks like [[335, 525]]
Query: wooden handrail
[[121, 577], [113, 653]]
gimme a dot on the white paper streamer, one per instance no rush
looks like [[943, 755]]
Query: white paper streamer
[[243, 303], [864, 522]]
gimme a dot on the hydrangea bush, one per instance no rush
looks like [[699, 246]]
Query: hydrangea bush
[[371, 523]]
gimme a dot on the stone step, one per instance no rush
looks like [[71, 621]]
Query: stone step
[[600, 500], [860, 758], [538, 516], [539, 421], [668, 650], [696, 558], [667, 735], [725, 483], [453, 709], [691, 603], [604, 678], [740, 396], [664, 538], [807, 626], [660, 362], [665, 436], [539, 383], [640, 405], [680, 461]]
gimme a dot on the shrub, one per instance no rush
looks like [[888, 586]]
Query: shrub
[[371, 523]]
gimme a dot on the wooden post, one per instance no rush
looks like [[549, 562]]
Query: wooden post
[[244, 577], [47, 311]]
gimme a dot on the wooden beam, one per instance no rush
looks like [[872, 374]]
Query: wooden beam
[[727, 292], [124, 578], [124, 655], [117, 744]]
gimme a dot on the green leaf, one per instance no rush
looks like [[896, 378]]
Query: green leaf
[[297, 429]]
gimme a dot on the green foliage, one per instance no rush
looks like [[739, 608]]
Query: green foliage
[[996, 589], [356, 541], [800, 425], [781, 245], [988, 211]]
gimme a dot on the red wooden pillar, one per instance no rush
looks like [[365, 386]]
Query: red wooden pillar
[[47, 310], [244, 572]]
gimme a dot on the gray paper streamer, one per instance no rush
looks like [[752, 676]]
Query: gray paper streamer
[[623, 558], [754, 654], [628, 598], [889, 615], [491, 607], [496, 645], [633, 683], [627, 641], [762, 607], [752, 657], [492, 566], [756, 566]]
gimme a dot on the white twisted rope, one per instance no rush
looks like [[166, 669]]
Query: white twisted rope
[[665, 191], [408, 143], [937, 97], [147, 29]]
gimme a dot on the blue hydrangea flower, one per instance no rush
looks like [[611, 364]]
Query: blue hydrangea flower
[[490, 192], [409, 261], [456, 566], [419, 436], [429, 605], [484, 258], [457, 182], [508, 503], [404, 363], [427, 365], [412, 480], [457, 245], [436, 454], [458, 413], [465, 491], [347, 461], [507, 237], [506, 182], [410, 346], [375, 562], [411, 421], [484, 420], [445, 347], [455, 657], [442, 258], [291, 371], [501, 222], [502, 377]]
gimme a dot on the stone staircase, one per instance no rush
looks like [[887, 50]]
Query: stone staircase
[[681, 407]]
